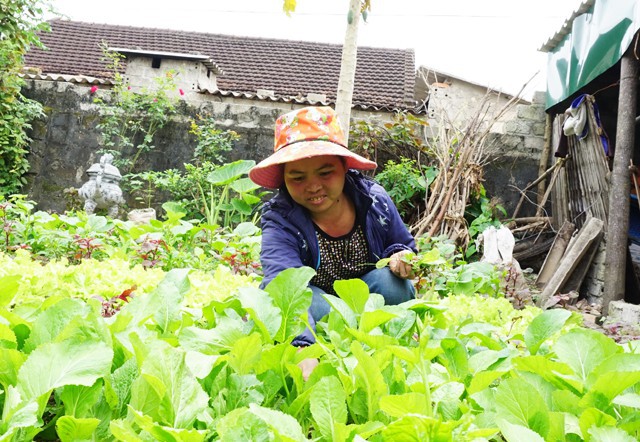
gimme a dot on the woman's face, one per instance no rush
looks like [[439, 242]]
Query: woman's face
[[316, 183]]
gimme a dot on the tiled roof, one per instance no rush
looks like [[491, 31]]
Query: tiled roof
[[385, 78]]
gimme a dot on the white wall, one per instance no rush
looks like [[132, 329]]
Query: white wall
[[191, 75]]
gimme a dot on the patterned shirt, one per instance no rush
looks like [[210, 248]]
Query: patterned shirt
[[344, 257]]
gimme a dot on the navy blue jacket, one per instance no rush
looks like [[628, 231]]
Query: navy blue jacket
[[289, 238]]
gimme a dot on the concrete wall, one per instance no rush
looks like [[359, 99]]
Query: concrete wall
[[189, 75], [65, 143], [517, 145], [458, 102]]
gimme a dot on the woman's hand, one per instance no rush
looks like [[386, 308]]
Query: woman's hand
[[400, 268], [307, 366]]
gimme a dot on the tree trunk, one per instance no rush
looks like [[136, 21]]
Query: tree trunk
[[348, 68], [617, 232]]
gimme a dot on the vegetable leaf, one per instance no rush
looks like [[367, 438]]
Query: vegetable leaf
[[583, 350], [72, 429], [260, 307], [543, 327], [78, 399], [285, 427], [241, 424], [518, 403], [328, 406], [245, 354], [369, 378], [167, 378], [517, 433], [354, 292], [57, 364], [291, 294], [399, 405], [9, 286]]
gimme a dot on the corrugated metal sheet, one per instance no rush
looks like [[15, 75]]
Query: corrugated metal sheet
[[565, 30], [590, 43]]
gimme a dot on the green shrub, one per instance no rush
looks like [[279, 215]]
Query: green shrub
[[19, 23], [407, 184]]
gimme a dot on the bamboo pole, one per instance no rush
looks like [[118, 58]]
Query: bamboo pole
[[617, 234], [552, 181], [527, 220], [538, 180], [544, 157]]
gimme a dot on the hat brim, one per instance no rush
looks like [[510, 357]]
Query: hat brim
[[269, 172]]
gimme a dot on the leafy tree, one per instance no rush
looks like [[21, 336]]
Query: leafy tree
[[20, 21]]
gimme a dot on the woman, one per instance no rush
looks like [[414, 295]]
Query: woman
[[327, 215]]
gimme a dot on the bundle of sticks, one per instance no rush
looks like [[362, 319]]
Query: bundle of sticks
[[460, 156]]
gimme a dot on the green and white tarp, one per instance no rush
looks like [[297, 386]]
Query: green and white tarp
[[597, 40]]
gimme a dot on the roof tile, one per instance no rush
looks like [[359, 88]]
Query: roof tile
[[384, 77]]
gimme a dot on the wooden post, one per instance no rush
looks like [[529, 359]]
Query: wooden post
[[544, 158], [617, 232]]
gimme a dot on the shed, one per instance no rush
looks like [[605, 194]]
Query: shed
[[595, 55]]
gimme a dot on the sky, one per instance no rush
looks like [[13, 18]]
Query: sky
[[489, 42]]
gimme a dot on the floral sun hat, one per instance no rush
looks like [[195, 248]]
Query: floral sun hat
[[305, 133]]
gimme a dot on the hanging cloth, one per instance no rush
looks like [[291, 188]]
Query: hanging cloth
[[576, 122]]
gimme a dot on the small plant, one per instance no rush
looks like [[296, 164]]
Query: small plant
[[152, 251], [213, 143], [407, 184], [240, 249], [7, 224], [143, 186], [205, 189], [72, 199], [111, 306], [401, 138], [481, 214], [15, 221], [85, 247], [130, 120], [228, 209], [439, 271]]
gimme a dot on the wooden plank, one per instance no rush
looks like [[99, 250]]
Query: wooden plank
[[555, 254], [577, 276], [570, 260]]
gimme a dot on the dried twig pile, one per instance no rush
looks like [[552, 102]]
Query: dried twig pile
[[460, 156]]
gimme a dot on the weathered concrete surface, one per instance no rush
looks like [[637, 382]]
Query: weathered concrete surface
[[620, 311], [66, 142]]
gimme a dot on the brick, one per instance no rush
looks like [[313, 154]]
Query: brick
[[510, 141], [539, 97], [535, 143], [539, 129], [624, 312], [535, 113], [517, 127]]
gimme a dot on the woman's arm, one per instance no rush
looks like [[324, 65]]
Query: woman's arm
[[279, 251]]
